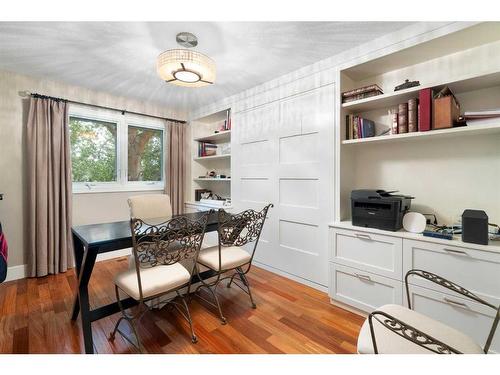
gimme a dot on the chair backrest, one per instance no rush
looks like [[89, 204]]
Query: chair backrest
[[242, 228], [150, 206]]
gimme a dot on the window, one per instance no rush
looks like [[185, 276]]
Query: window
[[93, 150], [145, 154], [115, 152]]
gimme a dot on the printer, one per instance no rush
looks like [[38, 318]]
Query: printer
[[379, 209]]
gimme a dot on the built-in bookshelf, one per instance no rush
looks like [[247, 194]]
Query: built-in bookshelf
[[211, 155], [447, 170]]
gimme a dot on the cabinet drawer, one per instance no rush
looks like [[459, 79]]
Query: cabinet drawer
[[475, 270], [361, 289], [370, 252], [467, 316]]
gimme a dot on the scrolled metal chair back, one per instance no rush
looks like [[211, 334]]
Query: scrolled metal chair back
[[242, 228], [167, 243]]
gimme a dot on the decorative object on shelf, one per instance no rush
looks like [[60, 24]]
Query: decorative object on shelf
[[361, 93], [379, 209], [445, 109], [185, 67], [199, 192], [406, 85], [414, 222]]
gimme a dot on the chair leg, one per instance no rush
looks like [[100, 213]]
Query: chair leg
[[194, 339], [231, 280], [216, 299], [130, 319], [245, 282]]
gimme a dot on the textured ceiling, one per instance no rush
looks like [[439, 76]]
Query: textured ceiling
[[119, 57]]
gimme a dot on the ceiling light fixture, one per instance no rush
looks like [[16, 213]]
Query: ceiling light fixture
[[185, 67]]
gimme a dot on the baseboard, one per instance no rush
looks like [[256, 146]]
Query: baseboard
[[21, 271], [17, 272], [298, 279]]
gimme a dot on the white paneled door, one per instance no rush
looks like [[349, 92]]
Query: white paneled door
[[284, 155]]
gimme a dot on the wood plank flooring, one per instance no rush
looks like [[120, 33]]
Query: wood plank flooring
[[290, 318]]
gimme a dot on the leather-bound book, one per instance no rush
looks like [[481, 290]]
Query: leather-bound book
[[393, 113], [403, 118], [412, 115], [425, 113]]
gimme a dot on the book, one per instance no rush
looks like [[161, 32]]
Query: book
[[425, 110], [361, 90], [361, 96], [367, 128], [403, 118], [355, 128], [412, 115], [393, 112]]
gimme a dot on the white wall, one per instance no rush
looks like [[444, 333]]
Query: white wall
[[87, 208]]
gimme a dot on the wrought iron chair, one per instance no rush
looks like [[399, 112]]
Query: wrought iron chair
[[234, 232], [159, 249], [395, 329], [148, 206]]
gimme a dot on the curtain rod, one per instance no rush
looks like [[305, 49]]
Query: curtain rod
[[25, 94]]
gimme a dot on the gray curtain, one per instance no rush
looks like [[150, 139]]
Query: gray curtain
[[50, 246], [175, 165]]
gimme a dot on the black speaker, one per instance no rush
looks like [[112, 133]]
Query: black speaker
[[475, 227]]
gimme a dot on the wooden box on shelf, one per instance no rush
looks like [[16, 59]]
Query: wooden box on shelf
[[446, 111]]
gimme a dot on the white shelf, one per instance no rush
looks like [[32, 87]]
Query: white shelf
[[223, 136], [215, 157], [465, 84], [213, 179], [443, 133]]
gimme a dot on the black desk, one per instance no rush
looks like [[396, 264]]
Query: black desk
[[90, 240]]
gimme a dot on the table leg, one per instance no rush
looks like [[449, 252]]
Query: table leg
[[83, 297], [78, 250]]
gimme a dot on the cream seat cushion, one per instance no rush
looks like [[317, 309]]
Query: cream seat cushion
[[154, 280], [231, 257], [389, 342]]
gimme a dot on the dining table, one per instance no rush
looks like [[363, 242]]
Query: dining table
[[93, 239]]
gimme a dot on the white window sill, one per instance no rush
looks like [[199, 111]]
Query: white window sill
[[117, 188]]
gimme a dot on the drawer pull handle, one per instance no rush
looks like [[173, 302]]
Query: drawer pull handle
[[455, 251], [363, 277], [455, 302], [363, 236]]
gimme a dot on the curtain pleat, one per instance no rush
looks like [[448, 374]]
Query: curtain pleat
[[175, 165], [50, 247]]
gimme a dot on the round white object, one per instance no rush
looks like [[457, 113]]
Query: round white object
[[414, 222]]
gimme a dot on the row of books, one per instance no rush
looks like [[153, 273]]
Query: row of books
[[361, 93], [404, 117], [206, 149], [359, 127]]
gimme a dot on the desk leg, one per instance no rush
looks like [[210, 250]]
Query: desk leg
[[83, 297], [78, 250]]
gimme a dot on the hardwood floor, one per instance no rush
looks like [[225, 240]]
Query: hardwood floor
[[290, 318]]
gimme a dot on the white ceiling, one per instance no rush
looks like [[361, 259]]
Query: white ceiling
[[119, 57]]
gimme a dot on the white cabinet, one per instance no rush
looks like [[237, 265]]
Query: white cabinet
[[367, 251], [363, 290], [476, 270], [282, 154], [467, 316], [367, 269]]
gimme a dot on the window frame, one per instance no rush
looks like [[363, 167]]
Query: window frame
[[122, 121]]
